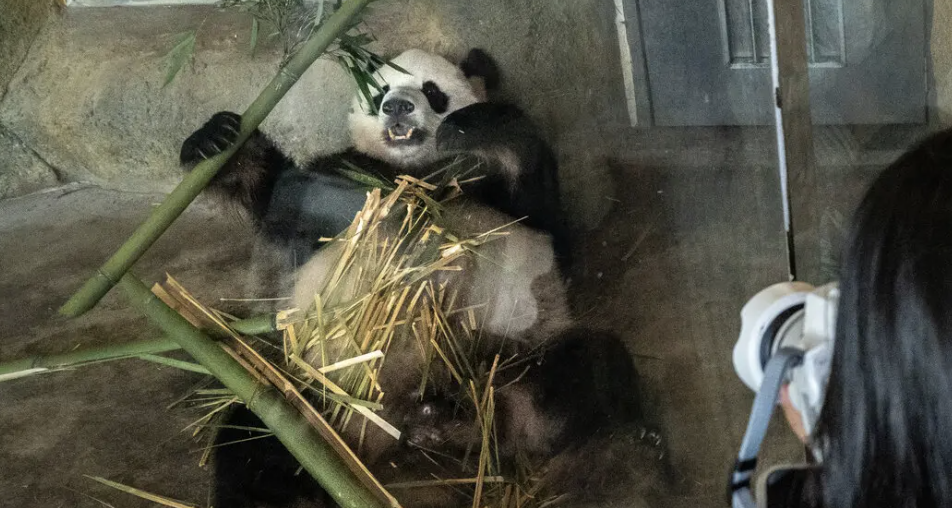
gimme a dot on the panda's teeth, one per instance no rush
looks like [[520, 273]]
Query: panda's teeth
[[400, 137]]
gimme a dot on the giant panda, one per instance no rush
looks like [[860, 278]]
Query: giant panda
[[417, 123], [429, 114]]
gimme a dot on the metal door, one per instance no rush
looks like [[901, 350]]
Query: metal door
[[707, 61]]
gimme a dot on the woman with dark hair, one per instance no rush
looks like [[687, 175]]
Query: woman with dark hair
[[885, 429]]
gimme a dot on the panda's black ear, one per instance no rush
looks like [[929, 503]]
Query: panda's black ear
[[479, 64]]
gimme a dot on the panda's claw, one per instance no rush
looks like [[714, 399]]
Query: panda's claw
[[233, 123], [209, 147], [214, 137], [222, 143], [234, 129]]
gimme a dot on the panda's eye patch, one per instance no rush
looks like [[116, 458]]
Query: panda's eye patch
[[437, 99], [378, 99]]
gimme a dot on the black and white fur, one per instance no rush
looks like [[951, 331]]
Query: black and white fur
[[427, 117], [446, 108]]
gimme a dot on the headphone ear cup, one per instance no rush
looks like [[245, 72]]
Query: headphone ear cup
[[809, 382], [812, 376]]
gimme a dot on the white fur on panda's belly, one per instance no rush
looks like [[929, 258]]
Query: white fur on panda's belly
[[311, 278], [513, 279], [505, 280]]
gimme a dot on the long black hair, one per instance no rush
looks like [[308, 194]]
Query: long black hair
[[886, 426]]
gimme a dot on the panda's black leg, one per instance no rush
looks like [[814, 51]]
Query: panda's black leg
[[248, 177], [253, 471], [589, 377]]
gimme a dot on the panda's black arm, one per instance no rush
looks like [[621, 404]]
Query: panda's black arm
[[248, 178], [483, 125], [525, 181], [307, 206]]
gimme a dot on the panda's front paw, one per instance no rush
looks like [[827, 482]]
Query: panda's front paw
[[213, 138]]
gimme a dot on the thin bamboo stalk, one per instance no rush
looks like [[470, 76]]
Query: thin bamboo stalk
[[287, 423], [191, 186], [36, 364]]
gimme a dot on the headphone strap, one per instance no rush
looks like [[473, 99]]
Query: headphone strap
[[764, 403]]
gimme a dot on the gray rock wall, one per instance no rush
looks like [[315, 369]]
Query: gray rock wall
[[89, 98], [20, 21], [21, 171]]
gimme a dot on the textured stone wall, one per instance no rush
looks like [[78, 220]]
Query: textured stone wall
[[89, 98], [20, 21], [21, 171], [941, 46]]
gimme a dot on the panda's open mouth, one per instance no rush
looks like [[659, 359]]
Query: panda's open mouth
[[401, 134]]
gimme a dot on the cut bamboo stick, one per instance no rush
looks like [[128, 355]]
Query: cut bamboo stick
[[191, 186], [288, 424], [45, 363], [37, 364]]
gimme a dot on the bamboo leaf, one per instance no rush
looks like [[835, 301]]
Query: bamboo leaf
[[164, 501], [179, 55], [361, 176], [396, 67], [254, 35]]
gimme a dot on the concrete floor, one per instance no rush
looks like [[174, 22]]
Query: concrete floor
[[668, 268], [110, 419]]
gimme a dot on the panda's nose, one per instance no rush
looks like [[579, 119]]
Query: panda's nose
[[397, 107]]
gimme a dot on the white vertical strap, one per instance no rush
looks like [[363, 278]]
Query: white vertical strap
[[778, 114]]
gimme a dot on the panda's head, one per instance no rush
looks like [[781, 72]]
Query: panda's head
[[413, 103]]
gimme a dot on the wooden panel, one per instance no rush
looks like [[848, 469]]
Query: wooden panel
[[826, 41], [797, 164]]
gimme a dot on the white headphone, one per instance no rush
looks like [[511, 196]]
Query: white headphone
[[787, 334]]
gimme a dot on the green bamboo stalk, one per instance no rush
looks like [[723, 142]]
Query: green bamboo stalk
[[191, 186], [255, 325], [38, 364], [287, 423]]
